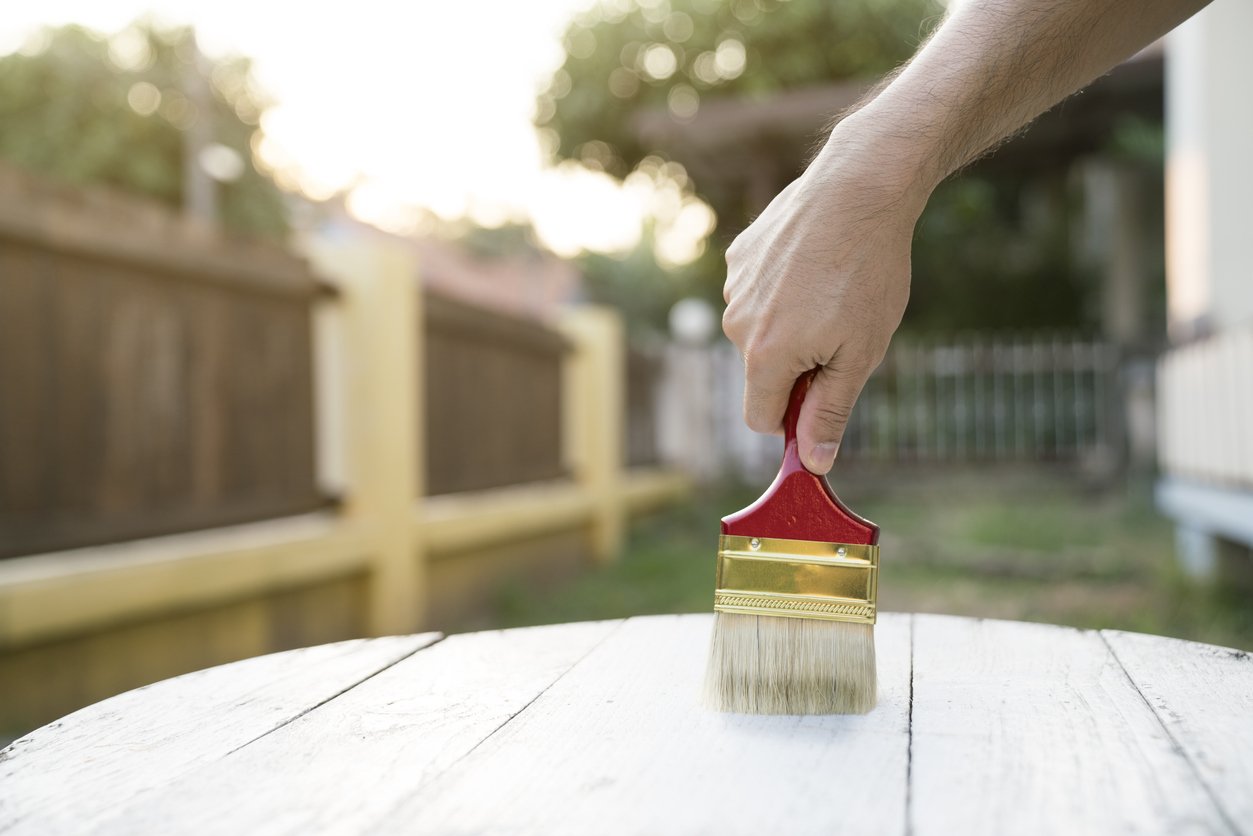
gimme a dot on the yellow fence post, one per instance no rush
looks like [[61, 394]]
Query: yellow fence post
[[594, 383], [385, 452]]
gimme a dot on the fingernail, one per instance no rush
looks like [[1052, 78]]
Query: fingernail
[[823, 456]]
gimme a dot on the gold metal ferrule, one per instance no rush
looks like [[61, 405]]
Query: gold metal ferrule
[[797, 579]]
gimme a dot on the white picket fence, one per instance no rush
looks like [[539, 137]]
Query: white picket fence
[[1036, 398], [1205, 404]]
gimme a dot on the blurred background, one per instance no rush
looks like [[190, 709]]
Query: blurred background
[[323, 326]]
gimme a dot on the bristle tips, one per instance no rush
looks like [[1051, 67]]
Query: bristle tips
[[767, 665]]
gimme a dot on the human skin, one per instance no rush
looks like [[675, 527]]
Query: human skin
[[821, 278]]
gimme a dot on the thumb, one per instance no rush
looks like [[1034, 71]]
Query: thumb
[[824, 415]]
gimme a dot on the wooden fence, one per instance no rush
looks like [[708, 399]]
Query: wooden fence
[[151, 381], [156, 380], [493, 398]]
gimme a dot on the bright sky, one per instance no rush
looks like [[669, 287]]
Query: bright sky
[[414, 105]]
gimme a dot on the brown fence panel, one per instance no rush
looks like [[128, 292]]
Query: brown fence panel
[[151, 381], [493, 398]]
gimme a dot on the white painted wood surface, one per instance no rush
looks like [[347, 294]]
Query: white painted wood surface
[[362, 754], [1029, 728], [72, 774], [621, 744], [1203, 696], [982, 727]]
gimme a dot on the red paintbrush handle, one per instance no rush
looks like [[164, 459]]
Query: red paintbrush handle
[[800, 505]]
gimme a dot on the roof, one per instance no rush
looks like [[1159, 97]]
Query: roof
[[729, 132]]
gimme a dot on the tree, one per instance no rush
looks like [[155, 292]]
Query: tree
[[660, 54], [993, 249], [624, 58], [85, 109]]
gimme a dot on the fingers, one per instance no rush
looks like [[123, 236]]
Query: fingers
[[825, 413], [765, 395], [766, 383]]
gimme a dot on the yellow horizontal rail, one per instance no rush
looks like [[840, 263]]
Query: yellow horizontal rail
[[56, 594], [65, 593], [461, 522]]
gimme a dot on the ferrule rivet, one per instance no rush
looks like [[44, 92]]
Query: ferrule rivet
[[841, 551], [754, 544]]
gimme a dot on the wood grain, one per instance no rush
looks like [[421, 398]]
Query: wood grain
[[480, 367], [129, 402], [622, 745], [73, 774], [353, 759], [1203, 696], [982, 727], [1029, 728]]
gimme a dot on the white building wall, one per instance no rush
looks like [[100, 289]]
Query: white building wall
[[1209, 174], [1205, 385]]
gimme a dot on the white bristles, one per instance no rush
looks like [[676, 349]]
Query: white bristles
[[762, 664]]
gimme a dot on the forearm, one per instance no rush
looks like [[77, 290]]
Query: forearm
[[992, 67], [821, 278]]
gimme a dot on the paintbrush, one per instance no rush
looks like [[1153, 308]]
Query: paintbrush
[[794, 599]]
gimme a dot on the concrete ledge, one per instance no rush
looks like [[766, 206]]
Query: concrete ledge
[[59, 594], [646, 489], [1226, 512], [56, 594], [481, 519]]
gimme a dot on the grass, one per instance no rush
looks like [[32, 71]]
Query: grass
[[1027, 544]]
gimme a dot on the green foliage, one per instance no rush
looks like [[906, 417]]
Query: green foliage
[[1139, 140], [992, 254], [626, 57], [644, 291], [633, 282], [113, 112], [499, 242], [992, 249], [622, 58], [1024, 543]]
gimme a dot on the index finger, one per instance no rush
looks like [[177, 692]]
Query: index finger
[[766, 389]]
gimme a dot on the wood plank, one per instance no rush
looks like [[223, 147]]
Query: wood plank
[[622, 745], [71, 774], [105, 226], [359, 755], [1029, 728], [1203, 696]]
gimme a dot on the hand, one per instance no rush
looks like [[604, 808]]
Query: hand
[[820, 280]]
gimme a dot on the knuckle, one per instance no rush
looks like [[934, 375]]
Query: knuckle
[[756, 421], [832, 418], [759, 361], [861, 357], [731, 323]]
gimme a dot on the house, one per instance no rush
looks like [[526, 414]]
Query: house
[[1205, 381]]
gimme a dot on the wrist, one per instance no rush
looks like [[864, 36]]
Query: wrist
[[886, 164]]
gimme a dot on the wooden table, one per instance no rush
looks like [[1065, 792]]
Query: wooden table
[[982, 727]]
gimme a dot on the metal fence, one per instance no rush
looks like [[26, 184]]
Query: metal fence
[[988, 398], [1027, 398]]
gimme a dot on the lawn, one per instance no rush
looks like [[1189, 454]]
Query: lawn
[[1032, 544]]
